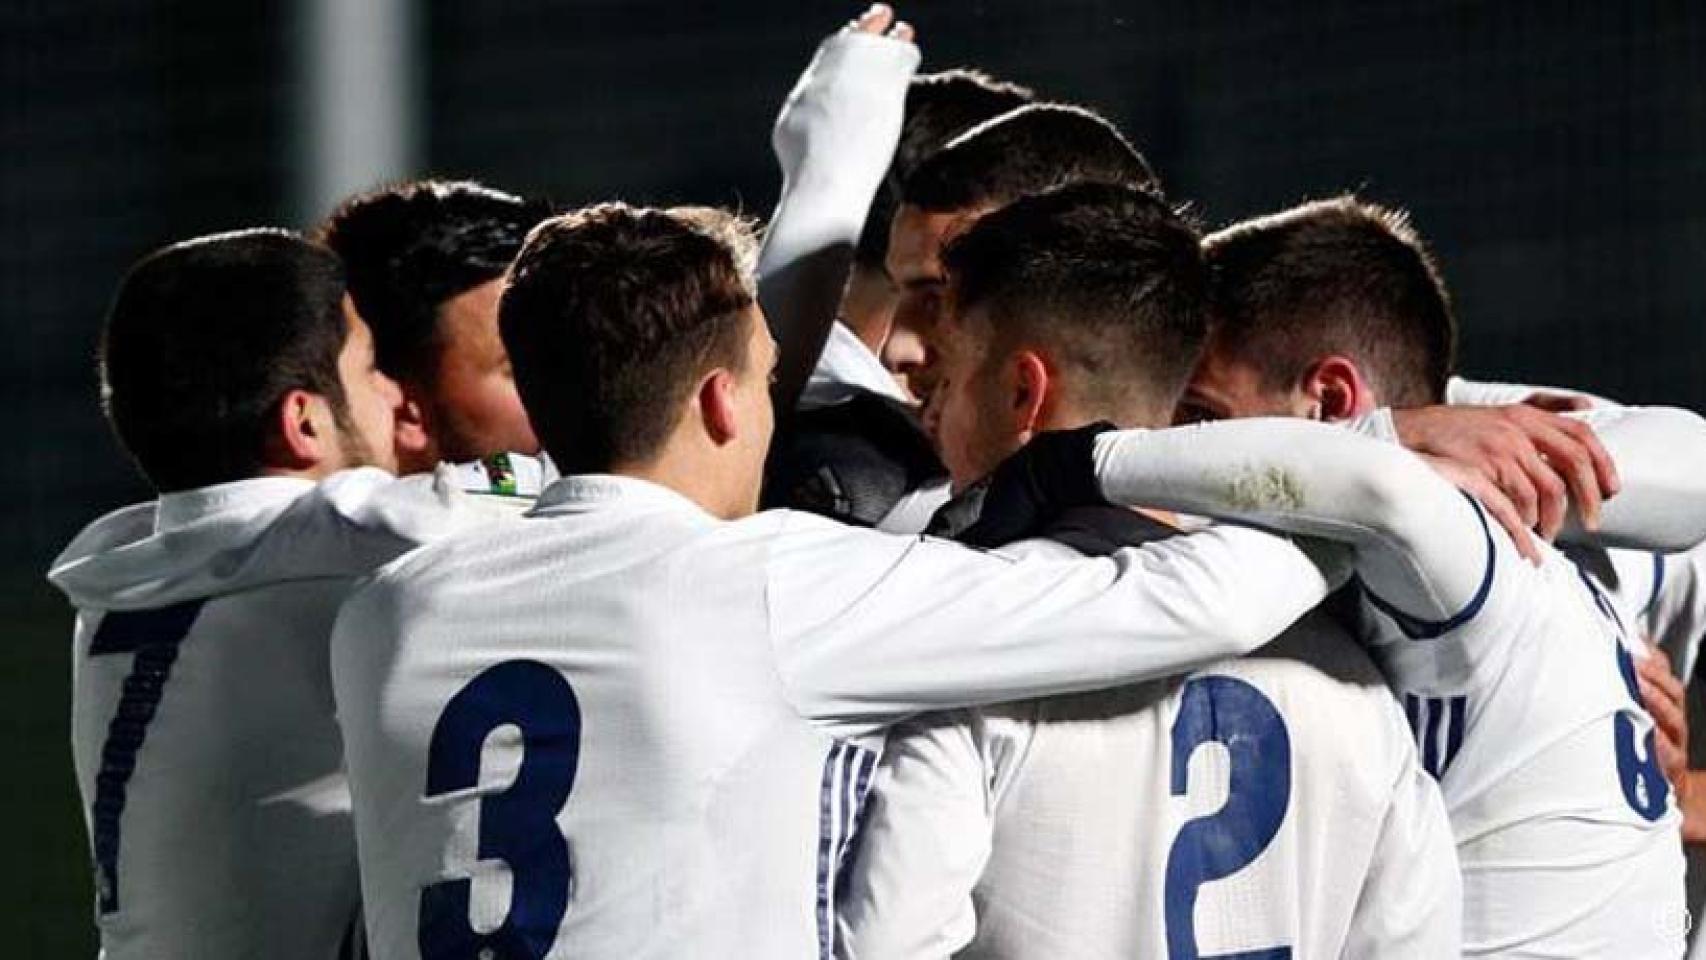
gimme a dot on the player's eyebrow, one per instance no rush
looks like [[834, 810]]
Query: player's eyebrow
[[923, 283]]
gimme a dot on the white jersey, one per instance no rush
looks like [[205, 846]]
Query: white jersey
[[1518, 680], [207, 756], [623, 728], [1268, 804], [1663, 597], [1527, 711]]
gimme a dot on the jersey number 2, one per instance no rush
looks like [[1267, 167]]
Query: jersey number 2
[[1236, 715], [517, 826]]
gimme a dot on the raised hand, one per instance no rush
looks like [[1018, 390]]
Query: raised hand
[[879, 19]]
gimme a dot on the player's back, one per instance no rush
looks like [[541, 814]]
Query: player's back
[[202, 729], [1250, 806], [1270, 803], [1528, 713], [572, 738]]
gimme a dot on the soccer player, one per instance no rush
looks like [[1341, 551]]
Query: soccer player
[[1102, 824], [1019, 152], [848, 444], [425, 261], [642, 720], [239, 378], [1517, 677]]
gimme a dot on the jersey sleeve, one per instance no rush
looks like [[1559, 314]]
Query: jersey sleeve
[[1423, 549], [1660, 453], [1411, 903], [834, 139], [869, 628], [1460, 392], [923, 846], [1675, 615]]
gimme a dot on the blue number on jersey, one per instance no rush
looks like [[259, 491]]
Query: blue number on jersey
[[1644, 785], [517, 826], [153, 636], [1233, 713]]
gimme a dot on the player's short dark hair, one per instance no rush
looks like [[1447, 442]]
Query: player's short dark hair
[[1025, 151], [1107, 276], [939, 107], [412, 246], [203, 341], [1334, 276], [612, 314]]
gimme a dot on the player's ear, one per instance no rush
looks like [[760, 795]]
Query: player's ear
[[413, 434], [719, 406], [1335, 389], [1031, 390], [303, 432]]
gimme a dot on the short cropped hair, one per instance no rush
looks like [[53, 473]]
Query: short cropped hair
[[1025, 151], [412, 246], [203, 341], [612, 314], [939, 107], [1335, 276], [1108, 277]]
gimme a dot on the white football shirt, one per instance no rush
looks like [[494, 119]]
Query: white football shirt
[[623, 728], [1517, 679], [1264, 804], [207, 756]]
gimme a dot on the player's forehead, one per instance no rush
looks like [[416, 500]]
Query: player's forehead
[[916, 241]]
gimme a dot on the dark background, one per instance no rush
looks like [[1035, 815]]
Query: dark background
[[1553, 153]]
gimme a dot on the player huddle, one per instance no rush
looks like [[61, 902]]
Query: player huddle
[[1120, 590]]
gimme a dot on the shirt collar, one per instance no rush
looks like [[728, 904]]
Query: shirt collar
[[185, 507], [588, 491], [846, 366]]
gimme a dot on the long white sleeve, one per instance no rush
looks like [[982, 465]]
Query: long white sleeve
[[1460, 392], [1421, 545], [925, 841], [833, 139], [869, 628], [1660, 453]]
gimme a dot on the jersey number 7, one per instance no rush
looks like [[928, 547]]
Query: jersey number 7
[[153, 636]]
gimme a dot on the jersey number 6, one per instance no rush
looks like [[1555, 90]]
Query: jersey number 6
[[1234, 714], [517, 826]]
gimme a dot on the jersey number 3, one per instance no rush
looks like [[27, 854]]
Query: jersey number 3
[[1236, 715], [518, 825]]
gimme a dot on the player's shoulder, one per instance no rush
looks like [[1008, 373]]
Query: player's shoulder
[[419, 508], [1316, 675]]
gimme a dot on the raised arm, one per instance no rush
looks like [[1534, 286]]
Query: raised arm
[[870, 628], [834, 139]]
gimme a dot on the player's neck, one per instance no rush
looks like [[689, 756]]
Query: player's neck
[[312, 474], [704, 484]]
